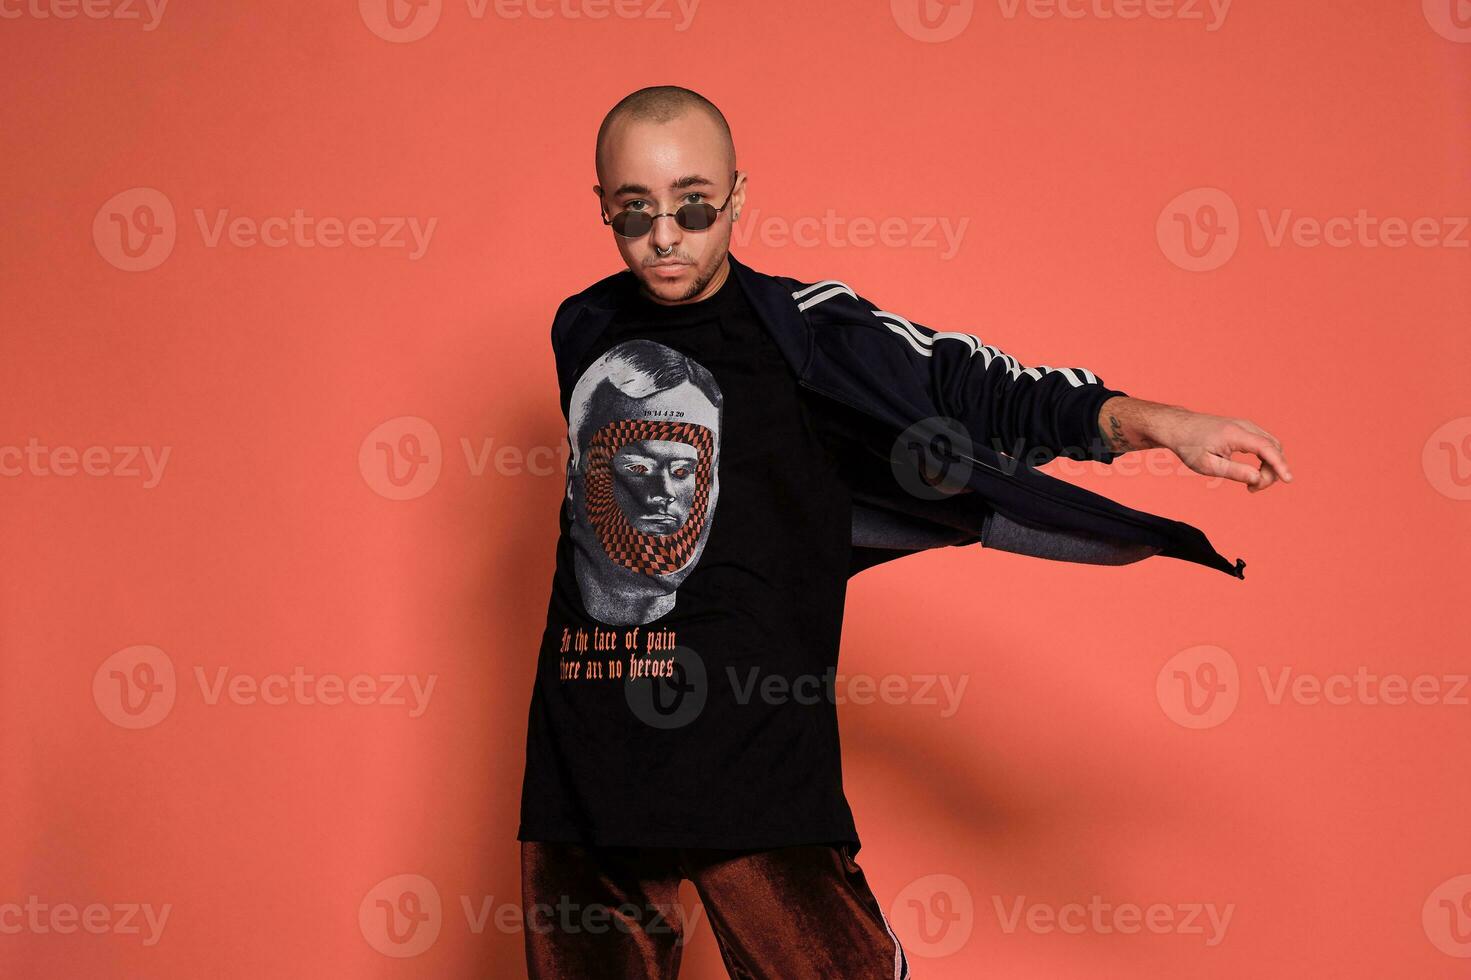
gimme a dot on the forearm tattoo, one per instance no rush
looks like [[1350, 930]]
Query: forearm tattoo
[[1118, 442]]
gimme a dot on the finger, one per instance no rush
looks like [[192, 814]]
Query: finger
[[1213, 465], [1269, 454], [1249, 424], [1266, 476]]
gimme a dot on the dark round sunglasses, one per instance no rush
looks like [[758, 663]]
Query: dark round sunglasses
[[690, 217]]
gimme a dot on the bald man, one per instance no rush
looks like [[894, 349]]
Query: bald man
[[683, 723]]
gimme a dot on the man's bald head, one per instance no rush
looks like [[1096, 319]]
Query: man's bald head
[[660, 104], [659, 150]]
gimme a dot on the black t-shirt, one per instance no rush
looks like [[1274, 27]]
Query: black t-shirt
[[683, 694]]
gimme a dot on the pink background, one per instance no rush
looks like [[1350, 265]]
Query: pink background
[[1335, 833]]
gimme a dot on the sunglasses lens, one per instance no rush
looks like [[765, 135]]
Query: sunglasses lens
[[632, 224], [695, 217]]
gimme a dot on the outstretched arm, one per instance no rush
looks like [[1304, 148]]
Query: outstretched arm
[[1203, 442], [1032, 412]]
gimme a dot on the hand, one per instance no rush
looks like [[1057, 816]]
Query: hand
[[1205, 444]]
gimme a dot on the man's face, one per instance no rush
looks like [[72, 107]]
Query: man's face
[[654, 480], [657, 167], [654, 483]]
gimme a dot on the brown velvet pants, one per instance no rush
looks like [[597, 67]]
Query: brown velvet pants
[[786, 913]]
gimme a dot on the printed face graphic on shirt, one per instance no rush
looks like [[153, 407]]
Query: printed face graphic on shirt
[[654, 483], [643, 481]]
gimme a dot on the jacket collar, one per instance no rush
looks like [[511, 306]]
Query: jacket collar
[[768, 296], [775, 308]]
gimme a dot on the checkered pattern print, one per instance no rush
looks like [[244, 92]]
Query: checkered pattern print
[[651, 554]]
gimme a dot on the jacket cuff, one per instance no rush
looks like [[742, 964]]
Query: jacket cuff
[[1087, 442]]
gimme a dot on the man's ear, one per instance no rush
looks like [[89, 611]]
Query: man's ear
[[738, 199]]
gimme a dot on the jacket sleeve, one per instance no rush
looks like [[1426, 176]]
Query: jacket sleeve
[[561, 321], [1035, 413]]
